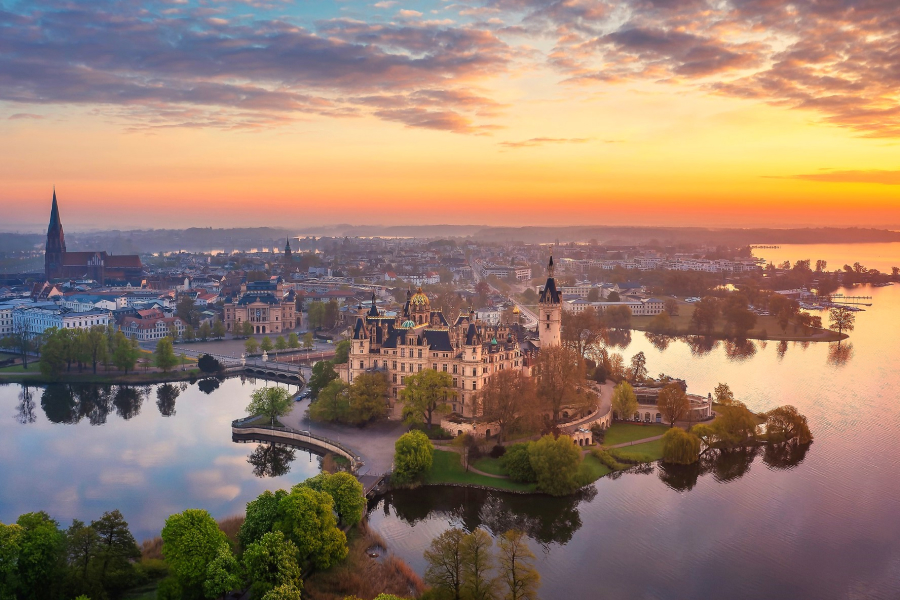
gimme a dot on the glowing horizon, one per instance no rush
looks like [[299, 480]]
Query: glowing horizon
[[498, 112]]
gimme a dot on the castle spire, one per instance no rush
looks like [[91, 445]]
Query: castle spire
[[550, 266]]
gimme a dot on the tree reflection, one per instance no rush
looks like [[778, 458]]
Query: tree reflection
[[94, 401], [550, 520], [619, 338], [208, 385], [681, 478], [781, 349], [701, 345], [658, 340], [734, 464], [839, 354], [166, 394], [58, 403], [271, 460], [25, 413], [737, 349], [127, 401], [785, 456]]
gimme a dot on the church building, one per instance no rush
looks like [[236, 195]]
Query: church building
[[97, 265]]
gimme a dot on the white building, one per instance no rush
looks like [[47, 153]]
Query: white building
[[639, 308], [39, 318]]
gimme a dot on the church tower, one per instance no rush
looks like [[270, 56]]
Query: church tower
[[56, 243], [288, 257], [550, 311]]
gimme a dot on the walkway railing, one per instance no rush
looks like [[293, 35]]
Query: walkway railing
[[242, 427]]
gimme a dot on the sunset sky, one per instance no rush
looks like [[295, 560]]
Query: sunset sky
[[231, 113]]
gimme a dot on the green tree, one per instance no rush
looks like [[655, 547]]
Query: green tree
[[190, 334], [673, 403], [218, 329], [260, 517], [785, 423], [618, 317], [116, 552], [723, 394], [332, 404], [164, 356], [191, 541], [517, 462], [346, 491], [10, 550], [283, 592], [271, 562], [265, 344], [841, 319], [186, 310], [96, 345], [125, 353], [246, 328], [477, 564], [516, 567], [624, 402], [316, 314], [280, 343], [82, 545], [306, 517], [53, 354], [205, 331], [426, 393], [445, 562], [342, 352], [705, 314], [251, 346], [222, 573], [555, 462], [638, 367], [661, 323], [332, 311], [309, 341], [368, 397], [322, 374], [680, 447], [293, 341], [671, 307], [41, 545], [270, 402], [413, 456], [559, 376], [735, 424]]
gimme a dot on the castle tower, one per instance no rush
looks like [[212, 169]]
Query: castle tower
[[550, 311], [56, 243]]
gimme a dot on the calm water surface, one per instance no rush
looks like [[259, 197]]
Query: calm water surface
[[824, 523], [149, 451], [819, 524]]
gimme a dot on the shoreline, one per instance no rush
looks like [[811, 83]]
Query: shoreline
[[36, 377]]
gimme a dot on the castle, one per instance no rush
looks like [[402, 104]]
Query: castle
[[96, 265], [264, 305], [470, 350]]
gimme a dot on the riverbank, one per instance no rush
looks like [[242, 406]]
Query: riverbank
[[33, 375], [767, 328]]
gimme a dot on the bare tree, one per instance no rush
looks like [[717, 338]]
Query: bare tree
[[508, 398]]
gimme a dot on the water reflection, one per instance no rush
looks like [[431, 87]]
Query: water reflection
[[547, 521], [166, 394], [739, 349], [659, 341], [208, 385], [781, 349], [701, 345], [128, 402], [25, 409], [730, 465], [271, 460], [840, 353], [619, 338]]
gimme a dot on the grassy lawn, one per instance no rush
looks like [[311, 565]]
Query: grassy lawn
[[596, 468], [622, 433], [652, 450], [447, 468], [766, 328], [490, 465]]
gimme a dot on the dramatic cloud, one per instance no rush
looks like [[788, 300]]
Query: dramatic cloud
[[870, 176], [541, 141], [201, 70]]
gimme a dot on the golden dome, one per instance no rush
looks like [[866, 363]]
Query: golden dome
[[516, 309], [419, 298]]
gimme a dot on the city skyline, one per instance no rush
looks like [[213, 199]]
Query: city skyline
[[270, 113]]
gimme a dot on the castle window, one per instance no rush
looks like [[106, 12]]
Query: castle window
[[402, 367], [419, 369], [420, 353], [434, 366], [394, 379], [454, 370], [444, 367], [362, 365]]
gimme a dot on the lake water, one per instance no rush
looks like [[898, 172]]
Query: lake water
[[77, 451], [881, 256], [820, 524]]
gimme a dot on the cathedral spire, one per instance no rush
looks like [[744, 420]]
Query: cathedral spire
[[550, 266]]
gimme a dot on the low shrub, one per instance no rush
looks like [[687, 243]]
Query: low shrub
[[498, 451], [608, 459], [517, 463], [634, 458]]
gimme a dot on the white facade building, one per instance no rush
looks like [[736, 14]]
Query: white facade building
[[38, 319]]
